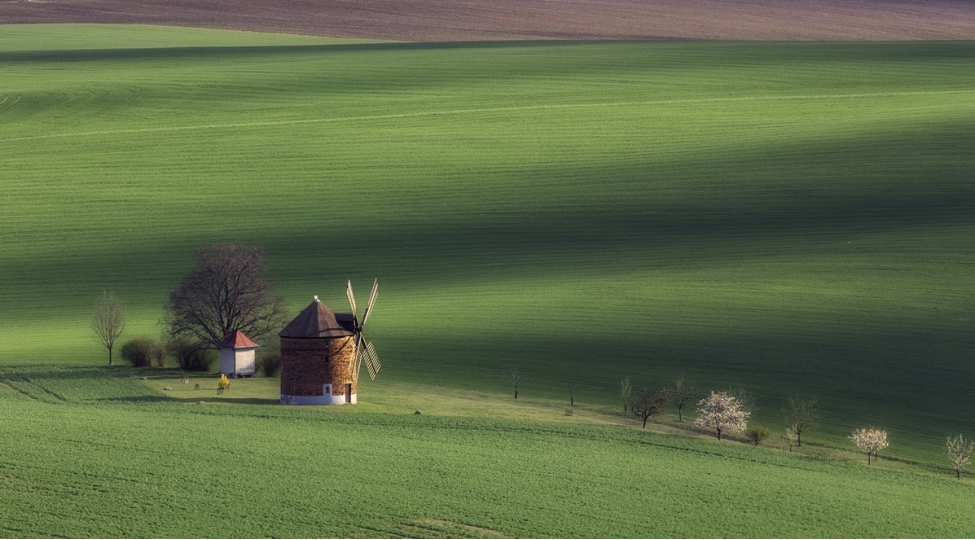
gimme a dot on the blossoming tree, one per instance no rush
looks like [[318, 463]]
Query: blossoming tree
[[870, 440], [959, 451], [722, 413]]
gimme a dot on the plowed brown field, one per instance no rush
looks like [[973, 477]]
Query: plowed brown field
[[450, 20]]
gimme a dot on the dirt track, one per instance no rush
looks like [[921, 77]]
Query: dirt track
[[455, 20]]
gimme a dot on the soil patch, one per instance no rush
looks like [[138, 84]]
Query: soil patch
[[466, 20], [438, 528]]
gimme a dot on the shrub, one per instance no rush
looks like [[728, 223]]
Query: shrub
[[269, 364], [158, 354], [758, 434], [191, 356], [138, 351]]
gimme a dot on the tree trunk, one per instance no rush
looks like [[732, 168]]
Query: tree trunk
[[645, 422], [516, 393], [109, 356], [719, 433], [572, 401], [798, 438], [679, 419], [958, 471], [868, 458]]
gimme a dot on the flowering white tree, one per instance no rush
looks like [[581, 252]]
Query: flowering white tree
[[959, 450], [722, 413], [792, 437], [870, 440]]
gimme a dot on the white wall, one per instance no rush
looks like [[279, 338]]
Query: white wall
[[238, 362], [326, 399]]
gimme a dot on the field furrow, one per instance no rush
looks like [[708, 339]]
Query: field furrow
[[788, 218]]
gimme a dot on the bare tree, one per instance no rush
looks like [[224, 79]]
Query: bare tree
[[870, 440], [746, 401], [227, 290], [572, 387], [959, 451], [158, 353], [722, 413], [625, 390], [514, 378], [680, 394], [108, 321], [800, 415], [647, 404]]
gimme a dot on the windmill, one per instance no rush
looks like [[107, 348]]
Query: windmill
[[364, 350], [322, 351]]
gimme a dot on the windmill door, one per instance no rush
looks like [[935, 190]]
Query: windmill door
[[348, 392]]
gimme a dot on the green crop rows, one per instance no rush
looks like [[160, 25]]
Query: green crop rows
[[784, 217], [128, 465]]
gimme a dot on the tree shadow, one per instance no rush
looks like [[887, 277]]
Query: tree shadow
[[168, 399]]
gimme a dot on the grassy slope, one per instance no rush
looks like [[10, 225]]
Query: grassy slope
[[106, 457], [785, 217]]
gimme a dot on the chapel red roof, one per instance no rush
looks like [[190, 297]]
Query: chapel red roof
[[237, 340]]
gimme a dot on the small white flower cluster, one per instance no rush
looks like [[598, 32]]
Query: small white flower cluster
[[722, 413], [870, 440]]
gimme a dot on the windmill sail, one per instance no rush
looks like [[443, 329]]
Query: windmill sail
[[357, 355], [372, 300], [364, 352], [372, 361], [351, 296]]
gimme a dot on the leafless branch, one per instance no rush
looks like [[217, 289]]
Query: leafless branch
[[800, 415], [681, 394], [515, 379], [108, 321], [227, 290], [647, 404]]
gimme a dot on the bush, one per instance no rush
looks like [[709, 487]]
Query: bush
[[192, 356], [269, 364], [758, 434], [139, 351], [158, 354]]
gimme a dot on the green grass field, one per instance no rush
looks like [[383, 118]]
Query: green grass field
[[783, 217], [98, 455]]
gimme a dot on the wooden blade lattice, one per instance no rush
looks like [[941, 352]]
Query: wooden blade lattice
[[357, 355], [363, 351], [372, 360], [351, 296], [372, 300]]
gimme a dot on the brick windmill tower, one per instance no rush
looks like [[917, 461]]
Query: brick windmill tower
[[321, 353]]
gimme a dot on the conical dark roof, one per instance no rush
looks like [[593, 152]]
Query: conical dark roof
[[317, 321]]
